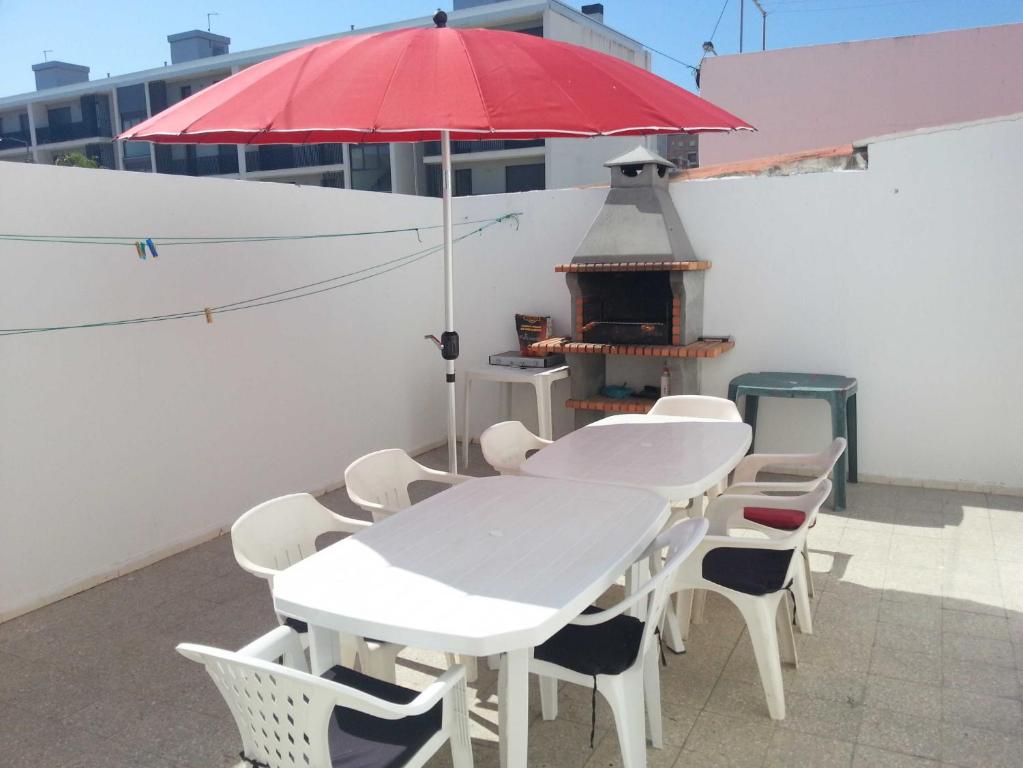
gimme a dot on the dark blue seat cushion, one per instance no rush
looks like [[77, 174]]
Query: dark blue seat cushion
[[358, 740], [608, 648], [752, 571]]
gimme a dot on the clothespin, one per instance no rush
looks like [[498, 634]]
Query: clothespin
[[140, 249], [152, 248], [209, 316]]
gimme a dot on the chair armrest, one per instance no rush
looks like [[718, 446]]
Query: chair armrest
[[346, 524], [754, 464], [439, 476], [372, 507], [283, 641], [371, 705], [749, 488], [728, 511], [256, 570]]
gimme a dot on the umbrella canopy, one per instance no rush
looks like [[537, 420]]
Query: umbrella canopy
[[428, 85], [411, 84]]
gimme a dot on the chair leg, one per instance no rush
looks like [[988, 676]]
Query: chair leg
[[379, 661], [461, 743], [624, 694], [671, 629], [761, 624], [786, 636], [804, 614], [471, 668], [548, 697], [652, 697], [806, 568]]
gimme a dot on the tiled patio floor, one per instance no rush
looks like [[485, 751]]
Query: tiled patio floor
[[916, 660]]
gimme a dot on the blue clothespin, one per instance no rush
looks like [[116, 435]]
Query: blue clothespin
[[152, 248], [140, 249]]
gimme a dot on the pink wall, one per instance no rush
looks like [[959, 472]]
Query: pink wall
[[823, 95]]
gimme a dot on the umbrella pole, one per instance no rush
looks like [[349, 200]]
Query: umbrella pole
[[449, 339]]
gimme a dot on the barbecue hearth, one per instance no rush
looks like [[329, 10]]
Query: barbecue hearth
[[637, 291]]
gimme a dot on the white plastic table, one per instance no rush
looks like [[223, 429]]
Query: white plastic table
[[493, 565], [678, 459], [540, 379]]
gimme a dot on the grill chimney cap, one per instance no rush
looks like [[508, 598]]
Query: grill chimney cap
[[639, 156]]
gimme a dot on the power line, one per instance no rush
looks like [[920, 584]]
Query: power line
[[182, 240], [277, 297], [718, 22]]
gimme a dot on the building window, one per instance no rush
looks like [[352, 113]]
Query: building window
[[523, 178], [58, 116], [333, 179], [463, 182], [371, 167], [692, 159]]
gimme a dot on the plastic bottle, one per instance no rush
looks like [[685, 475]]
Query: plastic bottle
[[665, 382]]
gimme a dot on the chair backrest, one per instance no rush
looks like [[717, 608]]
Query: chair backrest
[[826, 460], [697, 407], [506, 445], [282, 714], [676, 544], [280, 532], [382, 477]]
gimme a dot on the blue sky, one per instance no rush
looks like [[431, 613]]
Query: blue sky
[[117, 37]]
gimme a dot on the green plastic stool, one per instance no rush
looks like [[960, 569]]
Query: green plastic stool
[[839, 391]]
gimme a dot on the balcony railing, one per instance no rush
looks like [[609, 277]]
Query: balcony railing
[[13, 139], [210, 165], [490, 145], [51, 134], [283, 156]]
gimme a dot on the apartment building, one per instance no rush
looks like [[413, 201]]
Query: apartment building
[[70, 112]]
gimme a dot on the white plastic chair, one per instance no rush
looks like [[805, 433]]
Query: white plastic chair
[[280, 532], [288, 717], [507, 444], [618, 654], [754, 574], [378, 482], [744, 481], [703, 407]]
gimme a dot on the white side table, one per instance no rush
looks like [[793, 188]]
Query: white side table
[[541, 380]]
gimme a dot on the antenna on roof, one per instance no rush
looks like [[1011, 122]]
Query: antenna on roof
[[46, 54], [208, 22]]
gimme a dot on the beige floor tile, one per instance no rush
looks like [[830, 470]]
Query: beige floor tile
[[561, 743], [899, 732], [904, 637], [872, 757], [908, 614], [906, 665], [741, 741], [917, 699], [977, 748], [790, 748], [822, 717], [974, 648], [916, 552], [975, 624], [974, 709], [608, 755], [977, 677]]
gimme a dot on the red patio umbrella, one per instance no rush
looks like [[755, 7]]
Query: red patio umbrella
[[434, 85]]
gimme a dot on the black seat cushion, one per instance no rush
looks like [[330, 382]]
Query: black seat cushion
[[358, 740], [299, 626], [752, 571], [608, 648]]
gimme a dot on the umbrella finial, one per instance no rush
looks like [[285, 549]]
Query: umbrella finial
[[440, 19]]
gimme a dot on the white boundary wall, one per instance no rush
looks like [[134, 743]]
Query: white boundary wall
[[124, 444]]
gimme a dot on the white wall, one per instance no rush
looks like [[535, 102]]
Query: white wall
[[122, 443]]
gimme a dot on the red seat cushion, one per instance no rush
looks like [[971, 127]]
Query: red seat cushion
[[782, 519]]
